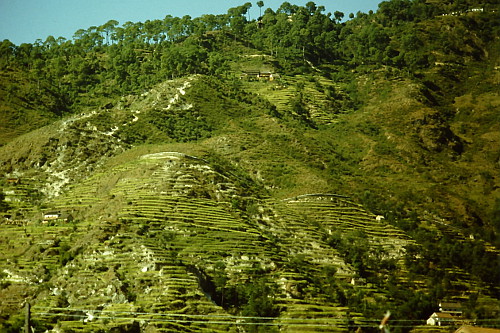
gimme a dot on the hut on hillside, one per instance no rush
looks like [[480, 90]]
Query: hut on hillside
[[57, 217], [441, 319]]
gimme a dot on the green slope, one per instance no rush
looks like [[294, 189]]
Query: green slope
[[218, 202], [165, 234]]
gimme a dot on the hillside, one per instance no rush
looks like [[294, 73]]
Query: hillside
[[165, 233], [213, 180]]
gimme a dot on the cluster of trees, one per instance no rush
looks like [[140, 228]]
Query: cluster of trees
[[440, 256], [370, 262], [255, 298], [116, 59], [436, 261], [438, 253]]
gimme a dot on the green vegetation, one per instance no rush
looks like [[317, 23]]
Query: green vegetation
[[226, 174]]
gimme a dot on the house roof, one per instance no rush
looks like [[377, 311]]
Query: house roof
[[442, 315], [450, 305], [252, 72], [51, 213], [475, 329]]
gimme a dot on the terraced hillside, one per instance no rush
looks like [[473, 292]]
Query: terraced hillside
[[172, 236], [313, 97], [166, 241], [172, 190]]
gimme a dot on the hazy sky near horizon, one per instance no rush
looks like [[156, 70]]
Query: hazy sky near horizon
[[25, 21]]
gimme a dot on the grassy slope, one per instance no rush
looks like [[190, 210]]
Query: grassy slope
[[171, 214], [425, 143], [19, 114], [399, 150], [270, 157], [441, 155]]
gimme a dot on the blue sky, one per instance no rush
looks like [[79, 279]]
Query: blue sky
[[24, 21]]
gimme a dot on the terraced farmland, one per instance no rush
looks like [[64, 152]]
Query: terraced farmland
[[316, 96], [336, 213], [166, 242]]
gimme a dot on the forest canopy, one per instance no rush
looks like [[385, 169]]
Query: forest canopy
[[115, 59]]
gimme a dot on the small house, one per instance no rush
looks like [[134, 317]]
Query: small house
[[57, 217], [66, 217], [7, 218], [454, 309], [14, 218], [51, 216], [274, 76], [265, 75], [259, 75], [441, 319], [250, 75]]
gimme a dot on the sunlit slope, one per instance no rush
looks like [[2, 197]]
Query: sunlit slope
[[168, 233]]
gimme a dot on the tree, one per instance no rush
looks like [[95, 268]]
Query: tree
[[495, 216], [260, 4], [260, 298], [4, 206], [7, 52], [247, 6], [210, 22], [50, 42], [95, 36], [109, 28], [311, 7], [237, 19], [132, 31], [338, 16], [220, 280], [287, 8], [187, 25], [175, 31], [217, 63], [118, 34]]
